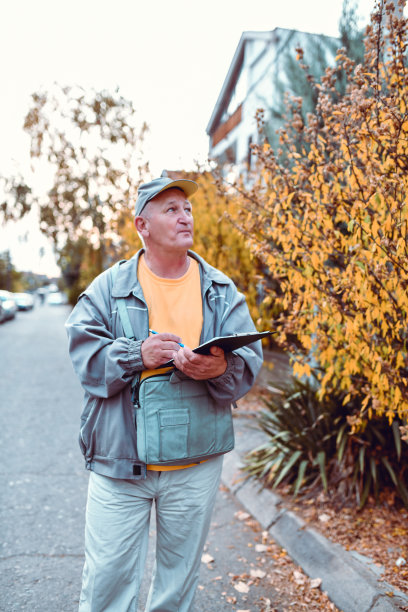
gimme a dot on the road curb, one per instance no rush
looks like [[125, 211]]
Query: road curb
[[351, 581]]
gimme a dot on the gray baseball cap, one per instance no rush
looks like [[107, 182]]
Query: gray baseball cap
[[148, 191]]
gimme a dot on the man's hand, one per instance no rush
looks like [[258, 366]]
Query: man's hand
[[200, 367], [158, 349]]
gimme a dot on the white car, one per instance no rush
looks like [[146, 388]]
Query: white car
[[55, 298], [25, 301], [9, 304]]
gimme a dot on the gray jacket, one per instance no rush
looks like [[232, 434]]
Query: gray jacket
[[106, 361]]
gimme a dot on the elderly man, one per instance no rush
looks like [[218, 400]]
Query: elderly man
[[150, 433]]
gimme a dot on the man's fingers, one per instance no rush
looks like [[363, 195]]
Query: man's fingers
[[217, 351], [200, 367], [159, 348], [164, 337]]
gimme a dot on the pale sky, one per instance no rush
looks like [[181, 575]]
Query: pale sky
[[169, 58]]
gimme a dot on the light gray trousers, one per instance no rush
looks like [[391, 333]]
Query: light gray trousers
[[117, 531]]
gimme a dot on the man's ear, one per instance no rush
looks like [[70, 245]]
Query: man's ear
[[140, 225]]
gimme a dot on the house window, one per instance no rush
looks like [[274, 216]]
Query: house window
[[228, 156]]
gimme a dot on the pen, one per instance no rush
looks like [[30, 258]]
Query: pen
[[155, 332]]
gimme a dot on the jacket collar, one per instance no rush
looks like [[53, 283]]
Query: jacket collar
[[126, 281]]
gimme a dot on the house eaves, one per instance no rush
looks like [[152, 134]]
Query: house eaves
[[233, 74], [276, 36]]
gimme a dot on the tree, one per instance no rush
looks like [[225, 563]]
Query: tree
[[351, 36], [86, 146], [332, 226], [298, 79], [16, 195], [10, 279], [218, 240]]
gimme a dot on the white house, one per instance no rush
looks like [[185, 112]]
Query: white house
[[251, 83]]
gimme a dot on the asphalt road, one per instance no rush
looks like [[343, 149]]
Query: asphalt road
[[43, 487]]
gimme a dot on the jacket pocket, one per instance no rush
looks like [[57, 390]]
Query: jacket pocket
[[174, 428], [87, 430]]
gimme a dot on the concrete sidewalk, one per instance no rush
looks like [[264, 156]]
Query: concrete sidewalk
[[351, 580]]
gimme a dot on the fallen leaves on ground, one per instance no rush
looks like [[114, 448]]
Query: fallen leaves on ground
[[288, 582], [241, 587], [379, 532]]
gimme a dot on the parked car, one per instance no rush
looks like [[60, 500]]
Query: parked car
[[25, 301], [3, 315], [56, 298], [9, 303]]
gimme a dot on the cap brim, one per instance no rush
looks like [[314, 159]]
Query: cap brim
[[189, 187]]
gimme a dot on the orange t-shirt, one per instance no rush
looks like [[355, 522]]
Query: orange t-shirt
[[175, 306]]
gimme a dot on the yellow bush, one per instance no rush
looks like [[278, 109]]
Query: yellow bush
[[221, 244], [329, 216]]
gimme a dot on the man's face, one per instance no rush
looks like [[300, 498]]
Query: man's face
[[169, 223]]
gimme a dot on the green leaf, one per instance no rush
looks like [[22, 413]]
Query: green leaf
[[340, 451], [373, 469], [378, 435], [291, 462], [273, 465], [365, 491], [374, 474], [340, 434], [390, 470], [300, 476], [321, 461], [397, 438], [361, 456], [403, 491]]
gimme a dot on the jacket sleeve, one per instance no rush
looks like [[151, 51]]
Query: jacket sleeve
[[244, 364], [103, 363]]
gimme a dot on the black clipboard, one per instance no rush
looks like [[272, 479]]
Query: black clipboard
[[227, 343]]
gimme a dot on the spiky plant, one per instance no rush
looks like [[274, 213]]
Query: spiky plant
[[310, 445]]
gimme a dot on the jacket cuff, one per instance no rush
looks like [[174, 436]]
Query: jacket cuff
[[134, 356], [225, 378]]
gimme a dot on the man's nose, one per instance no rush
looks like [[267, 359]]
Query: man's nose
[[184, 217]]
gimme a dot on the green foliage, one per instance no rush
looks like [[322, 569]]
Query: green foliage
[[351, 36], [371, 460], [89, 142], [298, 79], [294, 77], [16, 198], [311, 447], [70, 259], [302, 435], [79, 264], [86, 147], [10, 279]]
